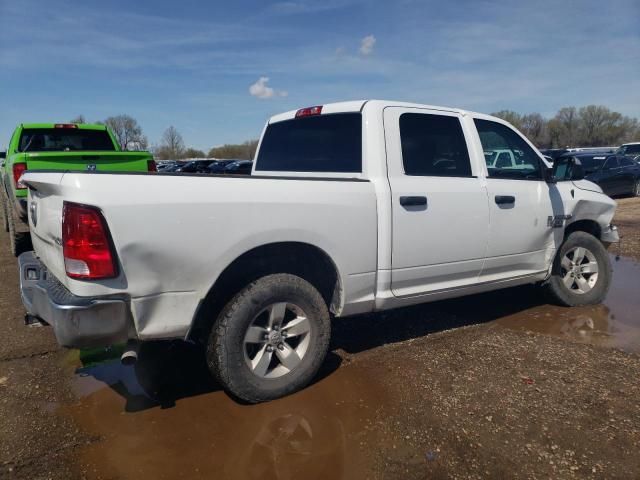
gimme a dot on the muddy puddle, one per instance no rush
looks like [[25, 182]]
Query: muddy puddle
[[164, 418], [614, 323]]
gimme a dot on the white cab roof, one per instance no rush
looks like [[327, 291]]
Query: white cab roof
[[358, 105]]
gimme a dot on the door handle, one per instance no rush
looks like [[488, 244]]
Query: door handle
[[413, 201], [505, 199]]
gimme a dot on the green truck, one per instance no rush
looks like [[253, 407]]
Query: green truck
[[56, 146]]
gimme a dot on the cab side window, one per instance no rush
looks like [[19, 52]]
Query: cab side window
[[515, 159], [433, 146]]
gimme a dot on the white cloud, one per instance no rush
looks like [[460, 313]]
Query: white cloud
[[261, 90], [366, 45]]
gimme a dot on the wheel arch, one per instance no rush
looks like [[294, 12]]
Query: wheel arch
[[588, 226], [298, 258]]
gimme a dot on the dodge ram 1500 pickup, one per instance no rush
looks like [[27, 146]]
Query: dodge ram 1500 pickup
[[56, 146], [351, 207]]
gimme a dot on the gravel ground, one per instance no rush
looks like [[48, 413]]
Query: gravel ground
[[484, 402], [478, 401], [628, 221]]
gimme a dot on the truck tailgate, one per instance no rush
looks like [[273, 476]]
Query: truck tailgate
[[101, 161]]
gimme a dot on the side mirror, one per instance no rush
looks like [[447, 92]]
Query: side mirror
[[3, 154], [567, 168]]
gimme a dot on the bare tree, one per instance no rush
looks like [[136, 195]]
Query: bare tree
[[79, 119], [534, 126], [194, 153], [569, 125], [510, 116], [243, 151], [127, 131], [171, 146]]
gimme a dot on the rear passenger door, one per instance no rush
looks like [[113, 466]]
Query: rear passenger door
[[439, 206]]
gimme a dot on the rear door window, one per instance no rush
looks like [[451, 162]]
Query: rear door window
[[433, 146], [324, 143]]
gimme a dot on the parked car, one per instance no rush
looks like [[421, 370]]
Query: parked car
[[59, 146], [631, 150], [165, 165], [553, 152], [355, 207], [615, 174], [241, 167], [219, 166], [194, 166], [172, 168]]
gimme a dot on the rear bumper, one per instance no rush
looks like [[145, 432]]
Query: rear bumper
[[78, 322]]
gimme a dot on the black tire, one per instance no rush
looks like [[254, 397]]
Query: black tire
[[571, 297], [5, 215], [226, 348], [19, 242]]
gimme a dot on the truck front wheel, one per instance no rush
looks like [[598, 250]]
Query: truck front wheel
[[270, 339], [581, 272]]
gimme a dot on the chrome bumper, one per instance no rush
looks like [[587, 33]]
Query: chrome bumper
[[78, 322]]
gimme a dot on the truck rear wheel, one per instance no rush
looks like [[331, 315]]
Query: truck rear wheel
[[5, 214], [581, 272], [19, 242], [270, 339]]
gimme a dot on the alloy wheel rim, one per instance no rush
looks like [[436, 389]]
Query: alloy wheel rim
[[277, 340], [579, 270]]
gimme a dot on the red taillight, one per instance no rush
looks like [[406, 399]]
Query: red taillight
[[309, 111], [86, 243], [18, 170], [151, 166], [65, 125]]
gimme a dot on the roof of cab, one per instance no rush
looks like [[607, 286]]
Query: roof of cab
[[358, 105], [84, 126]]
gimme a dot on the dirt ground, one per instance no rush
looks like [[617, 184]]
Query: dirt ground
[[628, 221], [500, 385]]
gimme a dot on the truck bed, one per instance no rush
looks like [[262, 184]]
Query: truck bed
[[195, 226]]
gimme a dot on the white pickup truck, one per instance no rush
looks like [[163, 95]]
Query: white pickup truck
[[351, 207]]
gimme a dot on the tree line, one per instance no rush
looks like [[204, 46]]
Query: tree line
[[590, 126], [129, 136]]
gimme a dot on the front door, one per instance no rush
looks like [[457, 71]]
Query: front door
[[522, 207], [439, 206]]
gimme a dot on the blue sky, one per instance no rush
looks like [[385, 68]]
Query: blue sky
[[192, 64]]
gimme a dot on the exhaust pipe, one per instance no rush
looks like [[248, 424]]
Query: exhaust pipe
[[130, 355]]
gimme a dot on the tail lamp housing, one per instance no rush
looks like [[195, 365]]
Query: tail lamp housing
[[18, 170], [87, 246]]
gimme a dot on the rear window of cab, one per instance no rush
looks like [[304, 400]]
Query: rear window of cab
[[64, 140], [329, 143]]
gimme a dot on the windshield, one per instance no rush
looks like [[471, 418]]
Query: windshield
[[64, 140], [629, 150]]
